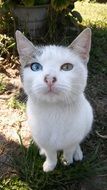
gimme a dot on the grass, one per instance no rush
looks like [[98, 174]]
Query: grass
[[14, 103], [32, 177], [94, 16], [30, 169], [13, 184], [91, 173], [2, 85], [93, 13]]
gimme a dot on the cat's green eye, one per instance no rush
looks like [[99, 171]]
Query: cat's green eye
[[67, 67]]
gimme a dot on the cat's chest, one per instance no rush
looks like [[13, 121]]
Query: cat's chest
[[53, 125], [51, 115], [50, 118]]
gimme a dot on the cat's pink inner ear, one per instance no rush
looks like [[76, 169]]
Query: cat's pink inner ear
[[24, 46], [82, 44]]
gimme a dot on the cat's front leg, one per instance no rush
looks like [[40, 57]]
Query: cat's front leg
[[78, 155], [42, 152], [74, 152], [51, 160]]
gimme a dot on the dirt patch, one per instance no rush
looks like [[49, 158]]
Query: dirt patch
[[12, 121]]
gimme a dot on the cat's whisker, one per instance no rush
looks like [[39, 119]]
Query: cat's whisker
[[68, 100], [37, 88], [65, 87]]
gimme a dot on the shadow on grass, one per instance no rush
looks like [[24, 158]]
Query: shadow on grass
[[26, 170], [79, 175], [21, 168], [7, 150], [96, 88]]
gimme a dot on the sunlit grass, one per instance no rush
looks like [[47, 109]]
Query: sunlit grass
[[95, 16], [93, 13], [13, 183]]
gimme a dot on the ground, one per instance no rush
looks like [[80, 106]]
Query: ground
[[92, 172], [12, 116]]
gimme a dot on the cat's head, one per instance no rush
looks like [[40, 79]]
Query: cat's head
[[54, 73]]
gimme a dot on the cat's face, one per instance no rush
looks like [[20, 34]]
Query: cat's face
[[54, 73]]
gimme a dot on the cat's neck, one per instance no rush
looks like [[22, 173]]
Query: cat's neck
[[62, 104]]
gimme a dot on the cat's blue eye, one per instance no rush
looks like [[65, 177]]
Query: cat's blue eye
[[36, 66], [67, 67]]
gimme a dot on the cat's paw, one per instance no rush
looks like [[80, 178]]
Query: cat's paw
[[67, 159], [47, 166], [78, 154], [66, 162]]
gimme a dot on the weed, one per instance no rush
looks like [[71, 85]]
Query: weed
[[6, 45], [14, 103], [2, 85], [13, 183]]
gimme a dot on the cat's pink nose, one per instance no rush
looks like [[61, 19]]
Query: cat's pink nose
[[50, 80]]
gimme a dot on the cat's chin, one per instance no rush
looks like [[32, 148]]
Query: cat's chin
[[51, 93], [48, 96]]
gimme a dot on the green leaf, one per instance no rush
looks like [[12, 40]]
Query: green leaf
[[28, 3], [77, 15], [60, 5]]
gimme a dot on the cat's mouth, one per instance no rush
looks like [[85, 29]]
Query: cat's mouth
[[51, 91]]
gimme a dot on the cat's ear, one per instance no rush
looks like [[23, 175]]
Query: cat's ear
[[82, 44], [24, 46]]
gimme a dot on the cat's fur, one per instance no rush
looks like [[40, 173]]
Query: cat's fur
[[62, 118]]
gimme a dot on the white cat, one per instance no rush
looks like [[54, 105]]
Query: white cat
[[54, 78]]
